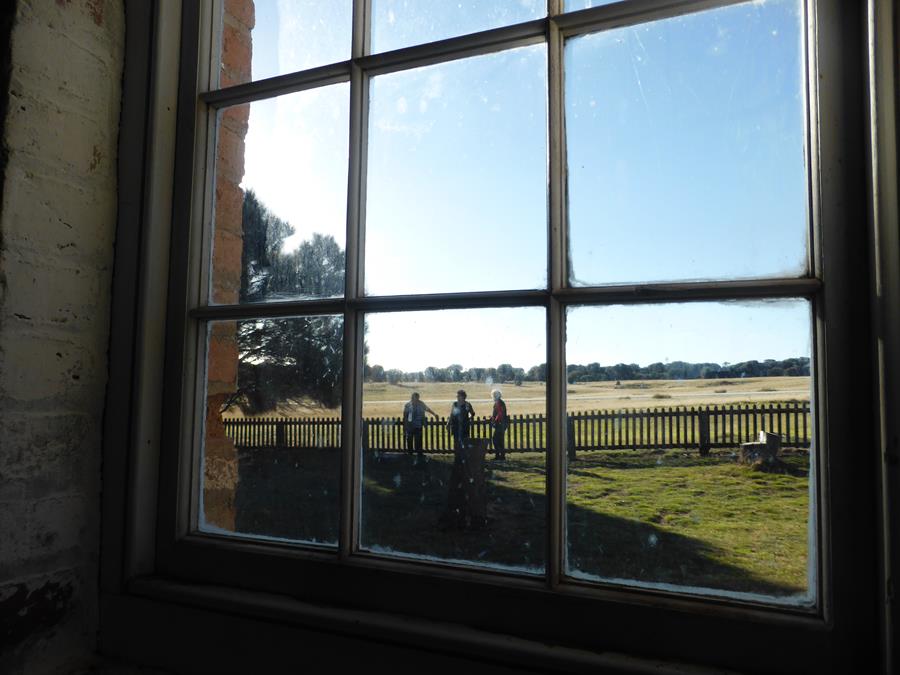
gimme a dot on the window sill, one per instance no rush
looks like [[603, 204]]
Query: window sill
[[159, 615]]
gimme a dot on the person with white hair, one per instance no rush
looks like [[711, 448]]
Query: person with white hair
[[499, 425]]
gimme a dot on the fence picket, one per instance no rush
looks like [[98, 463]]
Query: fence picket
[[679, 426]]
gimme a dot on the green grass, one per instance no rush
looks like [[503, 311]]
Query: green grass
[[666, 517], [678, 518]]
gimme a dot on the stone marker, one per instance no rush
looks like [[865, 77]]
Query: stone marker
[[467, 497], [765, 450]]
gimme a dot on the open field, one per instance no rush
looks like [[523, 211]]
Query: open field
[[386, 400], [667, 517]]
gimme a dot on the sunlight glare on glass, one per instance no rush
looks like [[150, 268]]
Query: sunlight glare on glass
[[284, 36], [403, 23], [287, 218]]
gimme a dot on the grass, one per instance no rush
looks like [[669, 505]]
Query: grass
[[381, 399], [668, 517]]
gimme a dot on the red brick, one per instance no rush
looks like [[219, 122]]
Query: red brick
[[236, 52], [222, 361], [242, 11], [236, 118], [230, 155]]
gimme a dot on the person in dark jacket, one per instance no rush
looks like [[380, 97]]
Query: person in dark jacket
[[499, 425], [461, 417]]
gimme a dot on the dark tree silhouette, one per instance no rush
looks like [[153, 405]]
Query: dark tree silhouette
[[292, 359]]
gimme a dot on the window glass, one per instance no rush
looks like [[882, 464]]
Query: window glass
[[265, 38], [686, 148], [281, 198], [452, 477], [402, 23], [272, 443], [456, 195], [690, 445], [575, 5]]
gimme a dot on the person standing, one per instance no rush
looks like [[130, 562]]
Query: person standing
[[461, 417], [413, 423], [499, 424]]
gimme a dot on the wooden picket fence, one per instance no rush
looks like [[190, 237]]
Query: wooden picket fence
[[703, 427]]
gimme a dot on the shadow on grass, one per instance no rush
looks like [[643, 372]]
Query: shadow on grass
[[293, 494]]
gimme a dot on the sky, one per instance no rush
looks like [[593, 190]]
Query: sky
[[685, 143], [698, 332]]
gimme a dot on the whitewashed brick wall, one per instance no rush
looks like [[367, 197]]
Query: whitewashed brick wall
[[57, 231]]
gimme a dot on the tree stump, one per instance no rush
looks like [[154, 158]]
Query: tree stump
[[467, 496]]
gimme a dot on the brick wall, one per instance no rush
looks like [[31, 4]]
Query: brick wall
[[57, 227], [220, 470]]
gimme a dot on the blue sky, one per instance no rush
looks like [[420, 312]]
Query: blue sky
[[685, 156]]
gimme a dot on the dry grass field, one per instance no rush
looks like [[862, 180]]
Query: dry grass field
[[386, 400]]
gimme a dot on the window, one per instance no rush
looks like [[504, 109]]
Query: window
[[629, 200]]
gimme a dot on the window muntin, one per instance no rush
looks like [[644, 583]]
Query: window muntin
[[483, 506], [361, 72], [667, 483], [281, 198], [266, 38], [403, 23], [457, 174], [686, 148]]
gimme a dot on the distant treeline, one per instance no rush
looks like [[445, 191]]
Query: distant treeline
[[594, 372]]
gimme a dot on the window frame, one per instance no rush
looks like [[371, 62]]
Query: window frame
[[312, 576]]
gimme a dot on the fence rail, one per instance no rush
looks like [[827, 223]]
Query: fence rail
[[703, 427]]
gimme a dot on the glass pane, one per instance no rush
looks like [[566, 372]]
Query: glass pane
[[457, 176], [403, 23], [265, 38], [451, 477], [281, 198], [686, 151], [272, 445], [690, 448], [575, 5]]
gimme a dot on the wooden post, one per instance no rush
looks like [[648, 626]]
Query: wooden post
[[570, 437], [703, 423]]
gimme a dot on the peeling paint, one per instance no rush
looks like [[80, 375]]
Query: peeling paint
[[95, 7]]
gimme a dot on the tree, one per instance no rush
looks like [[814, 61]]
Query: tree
[[505, 372], [287, 359], [537, 373]]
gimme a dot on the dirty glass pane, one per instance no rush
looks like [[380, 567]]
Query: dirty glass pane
[[280, 216], [272, 440], [403, 23], [575, 5], [686, 148], [265, 38], [691, 450], [451, 478], [456, 195]]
